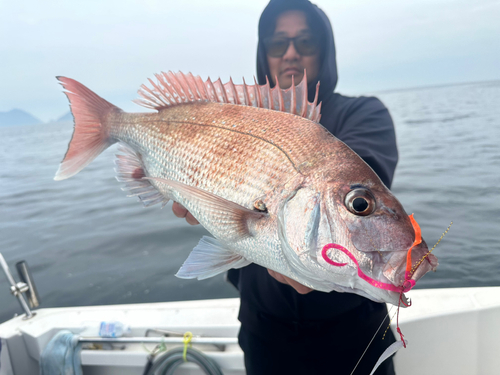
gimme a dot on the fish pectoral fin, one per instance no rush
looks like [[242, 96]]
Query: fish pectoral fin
[[209, 258], [205, 206], [130, 170]]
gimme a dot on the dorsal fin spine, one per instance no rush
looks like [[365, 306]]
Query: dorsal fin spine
[[312, 115], [317, 116], [176, 88], [166, 87], [218, 91], [192, 85], [188, 89], [161, 94], [281, 105], [304, 97], [200, 85], [293, 100], [267, 89], [212, 95], [232, 89], [257, 93], [185, 87], [149, 95], [143, 103], [222, 91], [245, 93]]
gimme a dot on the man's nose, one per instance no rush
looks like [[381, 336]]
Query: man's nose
[[291, 53]]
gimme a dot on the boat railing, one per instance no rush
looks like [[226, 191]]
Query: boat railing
[[26, 285], [160, 340]]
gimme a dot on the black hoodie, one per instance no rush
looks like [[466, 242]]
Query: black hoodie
[[364, 124], [268, 307]]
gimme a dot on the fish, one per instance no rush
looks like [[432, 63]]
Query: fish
[[257, 170]]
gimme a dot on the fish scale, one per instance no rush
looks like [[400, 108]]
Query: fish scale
[[273, 188], [201, 153]]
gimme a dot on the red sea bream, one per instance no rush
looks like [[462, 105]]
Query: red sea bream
[[257, 170]]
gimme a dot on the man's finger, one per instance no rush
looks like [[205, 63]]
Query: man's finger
[[179, 210], [301, 289], [278, 276], [191, 219]]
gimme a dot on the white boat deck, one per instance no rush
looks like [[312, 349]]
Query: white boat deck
[[450, 331]]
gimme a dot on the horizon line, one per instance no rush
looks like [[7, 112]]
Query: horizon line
[[433, 86], [382, 91]]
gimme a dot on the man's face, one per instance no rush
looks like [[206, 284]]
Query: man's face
[[292, 24]]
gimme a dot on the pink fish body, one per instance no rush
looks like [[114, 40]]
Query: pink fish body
[[262, 176]]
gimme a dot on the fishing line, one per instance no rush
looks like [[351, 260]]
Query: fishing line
[[380, 326], [430, 251], [389, 325]]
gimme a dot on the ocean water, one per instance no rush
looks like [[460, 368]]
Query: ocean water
[[87, 243]]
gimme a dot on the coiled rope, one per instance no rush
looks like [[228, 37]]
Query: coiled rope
[[167, 363]]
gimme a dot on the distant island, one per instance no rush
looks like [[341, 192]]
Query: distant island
[[18, 117], [66, 117]]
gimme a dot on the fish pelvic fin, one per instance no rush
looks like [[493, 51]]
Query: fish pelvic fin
[[209, 258], [177, 88], [90, 135]]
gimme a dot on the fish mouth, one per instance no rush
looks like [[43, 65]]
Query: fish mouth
[[429, 263], [384, 284], [400, 273], [400, 270]]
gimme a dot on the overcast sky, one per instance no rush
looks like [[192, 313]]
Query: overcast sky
[[113, 46]]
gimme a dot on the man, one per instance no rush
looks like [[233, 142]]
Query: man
[[286, 328]]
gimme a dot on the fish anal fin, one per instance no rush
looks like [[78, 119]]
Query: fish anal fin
[[131, 171], [177, 88], [209, 258]]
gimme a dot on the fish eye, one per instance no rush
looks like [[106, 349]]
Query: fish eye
[[360, 201]]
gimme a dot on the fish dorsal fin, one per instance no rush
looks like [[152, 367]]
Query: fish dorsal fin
[[177, 88]]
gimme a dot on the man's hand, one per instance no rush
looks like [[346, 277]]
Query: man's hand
[[301, 289], [181, 212]]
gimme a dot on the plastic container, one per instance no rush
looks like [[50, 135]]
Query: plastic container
[[113, 329]]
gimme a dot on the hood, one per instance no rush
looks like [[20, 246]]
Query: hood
[[328, 70]]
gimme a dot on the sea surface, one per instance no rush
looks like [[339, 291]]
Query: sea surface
[[88, 244]]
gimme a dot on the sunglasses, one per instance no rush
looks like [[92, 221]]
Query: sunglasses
[[305, 45]]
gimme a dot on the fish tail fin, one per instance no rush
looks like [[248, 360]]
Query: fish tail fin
[[90, 135]]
